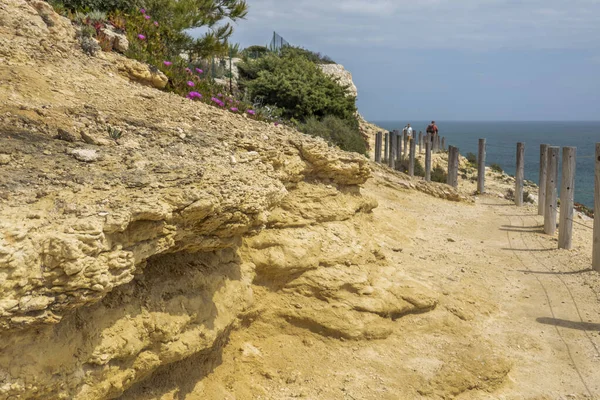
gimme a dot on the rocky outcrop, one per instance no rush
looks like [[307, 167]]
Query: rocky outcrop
[[120, 258], [343, 76], [142, 73], [21, 22], [116, 41]]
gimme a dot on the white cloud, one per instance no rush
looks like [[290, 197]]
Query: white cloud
[[428, 24]]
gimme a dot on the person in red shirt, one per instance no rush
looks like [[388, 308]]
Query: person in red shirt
[[433, 129]]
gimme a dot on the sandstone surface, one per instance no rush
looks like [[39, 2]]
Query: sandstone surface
[[207, 255], [116, 267]]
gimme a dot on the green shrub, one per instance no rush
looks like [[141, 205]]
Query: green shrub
[[496, 168], [472, 159], [402, 166], [87, 31], [439, 175], [336, 131], [296, 85], [254, 52], [311, 56]]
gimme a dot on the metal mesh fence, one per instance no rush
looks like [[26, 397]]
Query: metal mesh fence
[[278, 42]]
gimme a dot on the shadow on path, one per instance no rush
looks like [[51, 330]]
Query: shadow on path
[[511, 249], [523, 227], [582, 326], [557, 273], [537, 230]]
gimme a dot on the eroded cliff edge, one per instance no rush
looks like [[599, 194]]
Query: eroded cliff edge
[[117, 259]]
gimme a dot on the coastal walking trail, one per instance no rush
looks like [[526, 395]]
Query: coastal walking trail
[[537, 304], [553, 295], [516, 318]]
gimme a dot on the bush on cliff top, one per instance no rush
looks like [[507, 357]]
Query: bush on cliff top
[[293, 83], [336, 131], [157, 36]]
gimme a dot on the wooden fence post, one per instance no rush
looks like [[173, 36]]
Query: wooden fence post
[[520, 174], [393, 148], [427, 159], [391, 140], [385, 147], [567, 188], [444, 143], [420, 142], [450, 168], [398, 145], [378, 147], [481, 167], [405, 140], [550, 203], [542, 180], [411, 160], [455, 165], [380, 136], [453, 155], [596, 243]]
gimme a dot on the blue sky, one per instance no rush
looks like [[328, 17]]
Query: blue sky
[[450, 59]]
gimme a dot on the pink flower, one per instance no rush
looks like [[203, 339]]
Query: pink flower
[[167, 63], [155, 23], [198, 70], [147, 16], [141, 37], [219, 95], [190, 84], [189, 71], [234, 109], [143, 11], [276, 123], [194, 95], [217, 101], [251, 112]]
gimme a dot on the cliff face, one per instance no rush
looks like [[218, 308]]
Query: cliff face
[[345, 77], [117, 259]]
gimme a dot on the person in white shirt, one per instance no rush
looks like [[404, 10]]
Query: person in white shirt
[[409, 131]]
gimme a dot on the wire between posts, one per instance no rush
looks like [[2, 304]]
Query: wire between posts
[[579, 223]]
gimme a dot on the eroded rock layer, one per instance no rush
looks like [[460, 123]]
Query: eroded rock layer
[[119, 258]]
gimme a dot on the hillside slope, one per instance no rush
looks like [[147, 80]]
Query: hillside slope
[[207, 255], [119, 258]]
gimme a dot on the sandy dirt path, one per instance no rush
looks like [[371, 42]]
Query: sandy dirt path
[[558, 301], [516, 318]]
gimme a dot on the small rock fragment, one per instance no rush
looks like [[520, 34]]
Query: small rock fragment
[[66, 135], [85, 155]]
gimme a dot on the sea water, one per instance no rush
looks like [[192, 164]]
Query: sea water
[[502, 137]]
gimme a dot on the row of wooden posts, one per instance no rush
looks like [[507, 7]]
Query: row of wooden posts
[[549, 161], [397, 147], [547, 200]]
